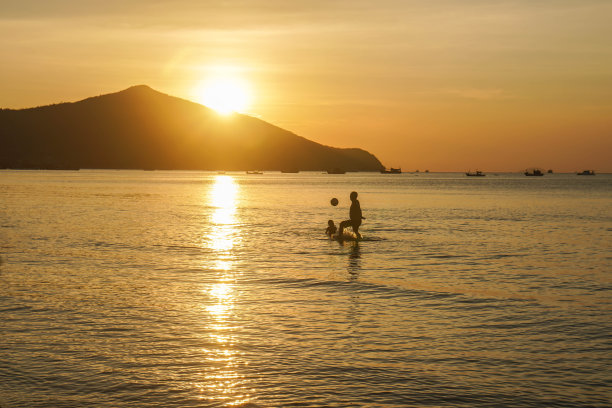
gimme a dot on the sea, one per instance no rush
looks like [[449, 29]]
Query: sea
[[201, 289]]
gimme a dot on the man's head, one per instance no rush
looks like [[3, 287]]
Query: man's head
[[353, 196]]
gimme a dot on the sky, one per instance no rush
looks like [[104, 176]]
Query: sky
[[442, 85]]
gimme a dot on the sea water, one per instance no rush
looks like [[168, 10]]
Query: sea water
[[193, 289]]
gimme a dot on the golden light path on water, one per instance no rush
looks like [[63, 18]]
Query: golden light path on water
[[222, 380]]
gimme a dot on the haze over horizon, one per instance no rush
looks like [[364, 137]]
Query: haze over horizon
[[443, 86]]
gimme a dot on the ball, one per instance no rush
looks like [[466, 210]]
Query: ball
[[334, 201]]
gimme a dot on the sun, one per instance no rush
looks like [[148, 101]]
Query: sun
[[225, 94]]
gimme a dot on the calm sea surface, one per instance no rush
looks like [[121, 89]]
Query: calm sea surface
[[188, 289]]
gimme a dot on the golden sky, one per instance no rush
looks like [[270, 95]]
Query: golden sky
[[444, 85]]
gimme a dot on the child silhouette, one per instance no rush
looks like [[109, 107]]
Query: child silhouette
[[331, 228]]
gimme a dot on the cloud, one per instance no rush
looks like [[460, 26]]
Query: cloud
[[481, 94]]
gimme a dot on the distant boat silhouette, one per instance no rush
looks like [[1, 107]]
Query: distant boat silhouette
[[534, 172], [336, 171], [477, 173], [550, 171], [392, 171], [254, 172], [586, 173], [290, 171]]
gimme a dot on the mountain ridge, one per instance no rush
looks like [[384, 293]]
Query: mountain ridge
[[141, 128]]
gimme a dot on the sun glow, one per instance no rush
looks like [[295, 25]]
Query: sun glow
[[225, 94]]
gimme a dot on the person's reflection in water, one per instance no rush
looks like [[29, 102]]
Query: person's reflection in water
[[354, 261]]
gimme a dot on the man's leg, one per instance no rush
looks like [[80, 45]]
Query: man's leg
[[356, 229], [343, 225]]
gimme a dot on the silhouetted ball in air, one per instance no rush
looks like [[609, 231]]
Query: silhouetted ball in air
[[334, 201]]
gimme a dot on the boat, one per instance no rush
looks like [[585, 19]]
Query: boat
[[476, 173], [550, 171], [336, 171], [254, 172], [392, 171], [290, 171], [534, 172], [586, 173]]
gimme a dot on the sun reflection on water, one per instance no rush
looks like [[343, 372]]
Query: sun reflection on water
[[221, 291], [223, 264], [223, 198], [223, 379]]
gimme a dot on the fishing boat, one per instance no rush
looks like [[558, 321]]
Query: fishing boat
[[392, 171], [534, 172], [476, 173], [586, 173], [336, 170]]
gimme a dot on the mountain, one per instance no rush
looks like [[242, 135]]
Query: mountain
[[140, 128]]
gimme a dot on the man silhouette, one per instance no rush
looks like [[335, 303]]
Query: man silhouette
[[355, 216]]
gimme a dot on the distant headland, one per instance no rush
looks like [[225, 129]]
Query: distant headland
[[140, 128]]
